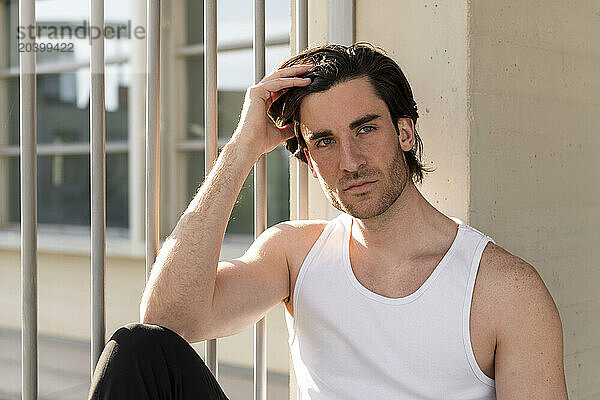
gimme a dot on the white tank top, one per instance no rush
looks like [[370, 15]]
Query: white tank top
[[348, 342]]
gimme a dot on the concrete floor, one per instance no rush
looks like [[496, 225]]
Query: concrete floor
[[64, 371]]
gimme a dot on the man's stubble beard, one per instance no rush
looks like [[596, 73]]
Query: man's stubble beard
[[398, 177]]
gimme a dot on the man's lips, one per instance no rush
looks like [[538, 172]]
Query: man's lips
[[358, 186]]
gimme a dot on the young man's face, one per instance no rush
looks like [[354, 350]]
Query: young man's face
[[351, 140]]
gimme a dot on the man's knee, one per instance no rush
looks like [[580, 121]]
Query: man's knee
[[137, 343], [139, 338], [142, 358]]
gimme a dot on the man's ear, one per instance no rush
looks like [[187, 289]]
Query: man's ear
[[406, 136], [309, 162]]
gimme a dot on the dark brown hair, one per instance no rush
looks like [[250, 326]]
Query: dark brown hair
[[335, 64]]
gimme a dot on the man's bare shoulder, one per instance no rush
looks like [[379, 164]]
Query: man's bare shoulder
[[506, 272], [303, 225], [498, 261], [298, 236], [511, 288], [278, 236]]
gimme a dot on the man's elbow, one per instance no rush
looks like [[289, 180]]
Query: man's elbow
[[150, 316], [146, 311], [146, 317]]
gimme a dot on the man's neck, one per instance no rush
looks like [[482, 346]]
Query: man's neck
[[410, 228]]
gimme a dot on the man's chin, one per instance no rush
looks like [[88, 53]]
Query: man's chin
[[364, 212], [364, 215]]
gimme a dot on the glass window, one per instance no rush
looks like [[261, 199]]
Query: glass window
[[10, 128], [63, 180], [63, 119], [64, 190], [5, 29], [235, 19], [195, 98], [195, 21], [11, 16]]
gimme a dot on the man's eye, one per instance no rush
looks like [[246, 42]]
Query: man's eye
[[324, 142], [366, 129]]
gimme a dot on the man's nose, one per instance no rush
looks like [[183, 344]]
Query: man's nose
[[351, 156]]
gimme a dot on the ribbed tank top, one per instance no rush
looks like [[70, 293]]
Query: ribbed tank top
[[348, 342]]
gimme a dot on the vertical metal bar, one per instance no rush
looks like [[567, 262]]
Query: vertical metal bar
[[152, 131], [260, 205], [340, 22], [301, 168], [210, 123], [136, 128], [98, 177], [28, 134]]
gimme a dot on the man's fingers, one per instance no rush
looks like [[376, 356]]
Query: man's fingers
[[272, 87], [278, 84], [294, 70]]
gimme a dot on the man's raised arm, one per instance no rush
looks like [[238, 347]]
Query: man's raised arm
[[180, 293]]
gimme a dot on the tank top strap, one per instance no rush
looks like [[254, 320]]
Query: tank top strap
[[479, 247]]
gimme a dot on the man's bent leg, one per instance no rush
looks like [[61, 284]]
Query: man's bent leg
[[151, 362]]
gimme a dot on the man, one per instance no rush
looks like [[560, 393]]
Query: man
[[391, 300]]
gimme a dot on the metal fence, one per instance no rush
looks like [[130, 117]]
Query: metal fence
[[28, 154]]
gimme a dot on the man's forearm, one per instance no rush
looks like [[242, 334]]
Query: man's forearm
[[181, 286]]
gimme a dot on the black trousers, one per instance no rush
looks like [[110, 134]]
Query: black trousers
[[151, 362]]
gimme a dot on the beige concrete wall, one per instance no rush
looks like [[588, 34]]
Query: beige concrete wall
[[64, 303], [535, 173]]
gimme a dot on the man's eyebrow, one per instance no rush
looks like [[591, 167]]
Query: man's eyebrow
[[312, 136], [363, 120], [354, 124]]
